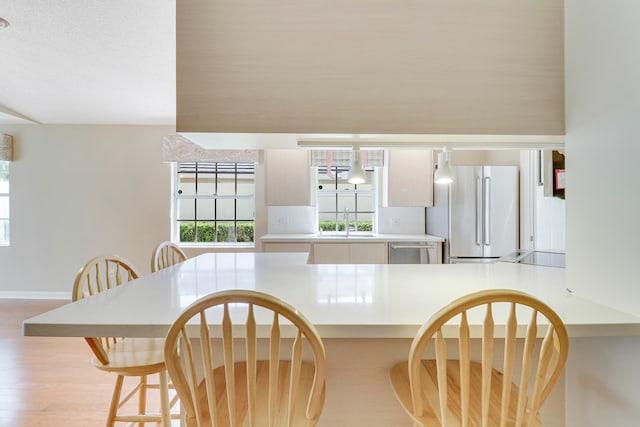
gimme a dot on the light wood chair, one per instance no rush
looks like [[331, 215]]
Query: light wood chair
[[130, 357], [456, 390], [227, 384], [166, 254]]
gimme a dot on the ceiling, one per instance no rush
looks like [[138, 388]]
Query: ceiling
[[88, 62]]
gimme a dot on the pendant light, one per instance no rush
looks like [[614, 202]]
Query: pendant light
[[356, 174], [444, 172]]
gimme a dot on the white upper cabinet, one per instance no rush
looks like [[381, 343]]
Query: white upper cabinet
[[289, 178], [408, 179]]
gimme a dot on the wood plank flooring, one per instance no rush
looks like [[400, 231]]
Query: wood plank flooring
[[48, 381]]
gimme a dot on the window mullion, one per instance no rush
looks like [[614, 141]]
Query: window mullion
[[220, 206], [235, 204], [332, 199], [337, 227], [215, 206]]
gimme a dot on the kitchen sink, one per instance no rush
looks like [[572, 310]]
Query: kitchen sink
[[343, 235]]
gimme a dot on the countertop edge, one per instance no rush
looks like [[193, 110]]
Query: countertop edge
[[314, 238], [353, 331]]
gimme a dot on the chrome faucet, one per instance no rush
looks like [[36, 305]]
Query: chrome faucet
[[346, 220]]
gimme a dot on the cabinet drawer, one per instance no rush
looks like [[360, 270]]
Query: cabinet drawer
[[286, 247], [350, 253]]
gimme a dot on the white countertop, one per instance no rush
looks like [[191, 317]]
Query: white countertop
[[354, 237], [343, 301]]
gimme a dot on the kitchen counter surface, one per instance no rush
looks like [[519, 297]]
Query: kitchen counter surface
[[354, 237], [343, 301]]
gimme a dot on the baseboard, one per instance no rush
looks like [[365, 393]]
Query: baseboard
[[35, 295]]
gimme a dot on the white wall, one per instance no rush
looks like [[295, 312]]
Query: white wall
[[602, 382], [603, 150], [602, 60], [81, 191]]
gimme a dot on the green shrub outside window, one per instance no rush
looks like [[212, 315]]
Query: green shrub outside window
[[331, 226], [217, 232], [214, 203]]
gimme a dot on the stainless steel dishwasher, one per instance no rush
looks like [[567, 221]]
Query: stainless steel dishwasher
[[413, 253]]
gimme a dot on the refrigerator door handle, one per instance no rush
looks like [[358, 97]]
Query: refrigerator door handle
[[487, 211], [479, 195]]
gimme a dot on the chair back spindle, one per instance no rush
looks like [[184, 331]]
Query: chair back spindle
[[166, 254], [99, 274], [469, 389], [232, 385]]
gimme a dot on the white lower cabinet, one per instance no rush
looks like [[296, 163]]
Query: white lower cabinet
[[330, 253], [350, 253], [286, 247]]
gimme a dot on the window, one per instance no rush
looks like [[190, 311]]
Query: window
[[4, 203], [335, 195], [214, 203]]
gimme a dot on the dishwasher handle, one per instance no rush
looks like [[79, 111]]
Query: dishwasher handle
[[405, 246]]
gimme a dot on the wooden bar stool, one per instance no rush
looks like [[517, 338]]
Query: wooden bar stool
[[130, 357], [449, 388], [230, 380], [165, 255]]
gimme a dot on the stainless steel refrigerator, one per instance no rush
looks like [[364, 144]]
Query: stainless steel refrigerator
[[477, 214]]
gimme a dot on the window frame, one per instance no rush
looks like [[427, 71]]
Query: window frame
[[353, 215], [7, 196], [177, 197]]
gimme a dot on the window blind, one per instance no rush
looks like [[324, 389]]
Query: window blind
[[368, 158], [6, 147]]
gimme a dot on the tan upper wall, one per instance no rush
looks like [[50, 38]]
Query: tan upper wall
[[371, 66]]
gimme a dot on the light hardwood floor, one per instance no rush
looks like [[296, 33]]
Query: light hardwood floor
[[48, 381]]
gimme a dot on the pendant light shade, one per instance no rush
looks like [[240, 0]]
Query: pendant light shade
[[444, 172], [356, 174]]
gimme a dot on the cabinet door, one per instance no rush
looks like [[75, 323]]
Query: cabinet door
[[331, 253], [409, 179], [286, 247], [289, 247], [288, 178], [350, 253], [367, 253]]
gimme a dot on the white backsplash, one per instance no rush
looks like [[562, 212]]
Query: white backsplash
[[303, 220], [292, 219], [400, 220]]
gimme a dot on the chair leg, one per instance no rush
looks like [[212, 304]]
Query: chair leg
[[115, 401], [165, 407], [142, 397]]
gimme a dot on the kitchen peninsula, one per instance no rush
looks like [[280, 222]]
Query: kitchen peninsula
[[366, 314]]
